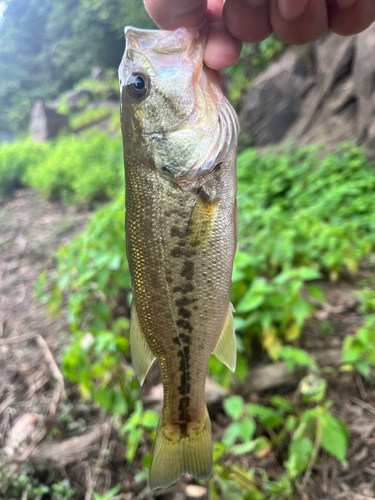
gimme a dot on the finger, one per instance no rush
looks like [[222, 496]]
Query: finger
[[299, 21], [347, 17], [173, 14], [248, 20], [222, 49]]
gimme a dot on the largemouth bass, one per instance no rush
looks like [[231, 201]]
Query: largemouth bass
[[180, 134]]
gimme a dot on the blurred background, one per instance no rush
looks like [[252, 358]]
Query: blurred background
[[296, 419]]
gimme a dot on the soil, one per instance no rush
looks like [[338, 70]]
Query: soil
[[48, 432]]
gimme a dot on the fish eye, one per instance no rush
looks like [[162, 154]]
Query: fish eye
[[137, 85]]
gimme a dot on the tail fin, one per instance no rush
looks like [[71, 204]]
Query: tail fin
[[176, 453]]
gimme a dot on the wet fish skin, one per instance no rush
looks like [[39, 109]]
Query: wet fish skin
[[180, 235]]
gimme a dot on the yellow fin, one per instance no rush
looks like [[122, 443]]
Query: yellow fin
[[201, 221], [225, 349], [142, 357], [176, 453]]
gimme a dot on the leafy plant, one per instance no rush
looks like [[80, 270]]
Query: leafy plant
[[138, 424], [359, 349], [79, 169], [307, 430], [15, 159], [88, 117]]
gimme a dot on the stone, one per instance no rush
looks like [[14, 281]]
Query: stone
[[195, 492], [273, 101], [46, 123], [329, 101], [96, 74], [73, 98]]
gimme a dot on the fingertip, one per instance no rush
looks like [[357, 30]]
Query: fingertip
[[173, 14], [247, 22], [311, 25], [222, 49], [353, 19]]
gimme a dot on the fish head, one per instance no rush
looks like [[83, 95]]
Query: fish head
[[173, 111]]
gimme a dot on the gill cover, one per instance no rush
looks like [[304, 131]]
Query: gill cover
[[188, 126]]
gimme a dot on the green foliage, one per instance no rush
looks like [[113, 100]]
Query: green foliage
[[287, 199], [254, 59], [15, 158], [272, 309], [79, 169], [46, 46], [137, 425], [88, 117], [300, 215], [305, 431], [359, 349], [15, 486], [302, 209]]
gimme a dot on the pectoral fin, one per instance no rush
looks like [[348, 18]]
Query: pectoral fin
[[141, 353], [201, 221], [225, 349]]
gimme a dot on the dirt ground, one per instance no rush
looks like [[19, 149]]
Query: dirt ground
[[84, 447]]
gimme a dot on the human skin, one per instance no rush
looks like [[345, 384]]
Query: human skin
[[233, 21]]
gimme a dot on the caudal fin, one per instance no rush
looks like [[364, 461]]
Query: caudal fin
[[176, 453]]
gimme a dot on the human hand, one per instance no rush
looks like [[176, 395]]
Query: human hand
[[293, 21]]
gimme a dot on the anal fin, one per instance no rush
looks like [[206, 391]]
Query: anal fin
[[225, 349], [142, 356]]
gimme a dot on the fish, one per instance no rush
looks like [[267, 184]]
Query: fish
[[179, 140]]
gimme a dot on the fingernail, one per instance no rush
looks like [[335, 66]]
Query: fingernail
[[345, 4], [292, 9], [256, 3]]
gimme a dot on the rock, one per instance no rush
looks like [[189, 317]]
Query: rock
[[96, 74], [23, 433], [273, 100], [73, 97], [195, 492], [331, 102], [46, 123]]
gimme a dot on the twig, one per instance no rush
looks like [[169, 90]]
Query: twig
[[89, 483], [314, 454], [364, 405], [74, 483], [2, 328], [52, 364], [17, 338], [360, 386], [103, 447]]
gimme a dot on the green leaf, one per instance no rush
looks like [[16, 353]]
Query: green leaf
[[315, 292], [231, 433], [241, 449], [299, 455], [300, 311], [150, 419], [250, 302], [120, 405], [267, 416], [233, 406], [247, 429], [334, 437]]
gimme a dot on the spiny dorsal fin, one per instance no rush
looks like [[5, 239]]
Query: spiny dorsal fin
[[201, 221], [225, 349], [142, 357]]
